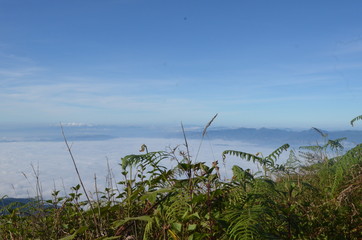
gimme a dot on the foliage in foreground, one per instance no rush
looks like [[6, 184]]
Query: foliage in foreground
[[318, 200]]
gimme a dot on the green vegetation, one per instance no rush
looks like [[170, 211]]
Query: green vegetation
[[315, 194]]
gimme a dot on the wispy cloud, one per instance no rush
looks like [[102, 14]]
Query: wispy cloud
[[13, 58], [348, 47], [64, 101], [17, 70], [20, 72]]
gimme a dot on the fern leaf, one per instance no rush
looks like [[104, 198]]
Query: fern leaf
[[336, 144], [242, 155], [131, 160], [314, 148], [323, 134], [277, 152], [241, 174], [148, 158], [244, 223], [356, 119]]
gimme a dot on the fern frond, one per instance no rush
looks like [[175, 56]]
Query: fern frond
[[242, 155], [267, 161], [130, 160], [177, 208], [148, 228], [291, 164], [336, 144], [275, 155], [313, 148], [323, 134], [356, 119], [245, 223], [309, 156], [148, 158], [241, 174]]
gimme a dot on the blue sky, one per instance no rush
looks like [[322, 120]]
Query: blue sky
[[294, 64]]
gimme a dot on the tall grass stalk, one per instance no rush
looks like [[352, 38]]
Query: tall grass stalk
[[80, 179]]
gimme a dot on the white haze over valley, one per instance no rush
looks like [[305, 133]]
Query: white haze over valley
[[56, 170]]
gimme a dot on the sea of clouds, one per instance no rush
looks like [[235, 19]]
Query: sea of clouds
[[49, 161]]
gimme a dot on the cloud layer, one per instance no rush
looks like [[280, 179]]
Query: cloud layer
[[52, 162]]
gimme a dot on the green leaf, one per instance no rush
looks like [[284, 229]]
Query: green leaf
[[191, 227], [177, 226], [187, 217], [241, 174], [151, 196], [70, 237]]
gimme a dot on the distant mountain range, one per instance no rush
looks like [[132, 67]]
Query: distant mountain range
[[7, 204], [25, 206], [262, 136], [274, 137], [77, 132], [19, 201]]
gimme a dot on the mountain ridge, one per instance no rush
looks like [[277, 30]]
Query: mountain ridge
[[265, 136]]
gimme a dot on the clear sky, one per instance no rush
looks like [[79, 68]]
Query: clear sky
[[256, 63]]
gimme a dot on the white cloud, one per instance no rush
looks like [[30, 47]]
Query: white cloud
[[15, 67], [91, 102]]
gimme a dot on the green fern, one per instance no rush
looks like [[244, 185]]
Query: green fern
[[323, 134], [356, 119], [276, 154], [336, 144], [243, 155], [148, 158], [246, 223], [268, 161], [241, 174], [313, 148]]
